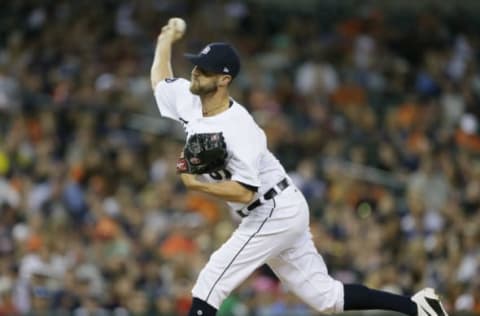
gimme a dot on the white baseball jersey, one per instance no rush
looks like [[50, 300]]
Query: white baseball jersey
[[249, 161], [274, 232]]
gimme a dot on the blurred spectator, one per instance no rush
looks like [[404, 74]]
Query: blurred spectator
[[372, 107]]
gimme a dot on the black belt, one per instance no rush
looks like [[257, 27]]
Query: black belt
[[270, 194]]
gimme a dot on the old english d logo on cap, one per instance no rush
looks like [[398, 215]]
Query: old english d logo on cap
[[205, 50]]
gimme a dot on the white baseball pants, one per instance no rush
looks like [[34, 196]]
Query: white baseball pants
[[276, 233]]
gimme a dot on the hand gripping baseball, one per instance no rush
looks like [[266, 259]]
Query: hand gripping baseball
[[203, 153], [174, 29]]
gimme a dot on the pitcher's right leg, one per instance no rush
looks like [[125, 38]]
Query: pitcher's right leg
[[302, 269], [234, 261]]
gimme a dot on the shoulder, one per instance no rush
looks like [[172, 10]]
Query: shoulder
[[244, 127], [242, 116], [174, 99], [246, 119], [172, 84]]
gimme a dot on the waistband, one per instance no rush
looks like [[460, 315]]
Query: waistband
[[270, 194]]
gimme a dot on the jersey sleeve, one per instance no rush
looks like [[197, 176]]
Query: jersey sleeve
[[167, 93], [246, 153]]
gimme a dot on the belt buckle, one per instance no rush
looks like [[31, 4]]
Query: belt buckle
[[270, 194]]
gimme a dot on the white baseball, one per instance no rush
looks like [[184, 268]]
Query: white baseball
[[178, 24]]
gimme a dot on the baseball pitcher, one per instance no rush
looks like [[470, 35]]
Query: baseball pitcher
[[226, 156]]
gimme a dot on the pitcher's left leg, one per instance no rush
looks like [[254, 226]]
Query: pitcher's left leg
[[302, 269]]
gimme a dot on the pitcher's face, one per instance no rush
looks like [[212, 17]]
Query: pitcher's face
[[203, 82]]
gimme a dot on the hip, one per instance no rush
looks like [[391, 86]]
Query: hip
[[286, 211]]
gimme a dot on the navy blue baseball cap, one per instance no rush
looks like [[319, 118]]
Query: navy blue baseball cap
[[220, 58]]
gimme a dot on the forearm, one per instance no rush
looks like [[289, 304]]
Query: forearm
[[226, 190], [161, 66]]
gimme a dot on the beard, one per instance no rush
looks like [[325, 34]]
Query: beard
[[200, 90]]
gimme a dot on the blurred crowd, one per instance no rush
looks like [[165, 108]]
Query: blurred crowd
[[374, 112]]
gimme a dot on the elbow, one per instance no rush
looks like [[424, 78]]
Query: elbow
[[154, 84], [159, 73], [156, 75], [154, 80]]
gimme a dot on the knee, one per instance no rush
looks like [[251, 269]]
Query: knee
[[331, 300], [201, 308], [327, 309]]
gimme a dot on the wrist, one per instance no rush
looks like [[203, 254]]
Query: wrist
[[165, 38]]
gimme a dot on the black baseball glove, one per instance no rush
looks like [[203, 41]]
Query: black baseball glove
[[203, 153]]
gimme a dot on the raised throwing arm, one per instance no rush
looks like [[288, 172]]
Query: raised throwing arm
[[161, 66]]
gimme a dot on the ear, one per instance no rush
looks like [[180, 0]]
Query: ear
[[224, 80]]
